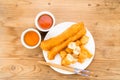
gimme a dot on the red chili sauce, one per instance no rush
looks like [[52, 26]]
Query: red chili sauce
[[45, 21]]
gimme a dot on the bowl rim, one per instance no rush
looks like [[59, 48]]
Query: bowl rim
[[22, 38], [38, 16]]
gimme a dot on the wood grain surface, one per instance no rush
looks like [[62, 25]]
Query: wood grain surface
[[101, 17]]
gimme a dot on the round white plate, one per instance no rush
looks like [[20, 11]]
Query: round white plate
[[58, 29]]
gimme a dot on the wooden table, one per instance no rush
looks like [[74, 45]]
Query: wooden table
[[101, 17]]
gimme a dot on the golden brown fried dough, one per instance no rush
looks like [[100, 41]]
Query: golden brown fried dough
[[63, 54], [84, 54], [52, 42], [78, 43], [84, 40], [69, 59], [82, 57], [68, 50], [52, 53]]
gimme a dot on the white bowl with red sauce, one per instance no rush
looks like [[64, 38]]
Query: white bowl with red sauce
[[30, 38], [44, 21]]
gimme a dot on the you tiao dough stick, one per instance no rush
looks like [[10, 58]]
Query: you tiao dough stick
[[52, 53], [52, 42]]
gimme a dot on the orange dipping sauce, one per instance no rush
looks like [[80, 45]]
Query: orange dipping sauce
[[45, 21], [31, 38]]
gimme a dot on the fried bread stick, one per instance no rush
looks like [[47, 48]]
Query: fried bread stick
[[52, 42], [52, 53]]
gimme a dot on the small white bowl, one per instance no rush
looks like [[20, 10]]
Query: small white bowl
[[38, 16], [22, 38]]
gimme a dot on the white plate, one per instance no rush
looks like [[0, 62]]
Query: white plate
[[58, 29]]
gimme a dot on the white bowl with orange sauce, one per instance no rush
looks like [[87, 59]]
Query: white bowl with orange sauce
[[31, 38], [44, 21]]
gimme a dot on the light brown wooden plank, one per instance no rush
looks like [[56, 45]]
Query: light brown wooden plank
[[102, 18]]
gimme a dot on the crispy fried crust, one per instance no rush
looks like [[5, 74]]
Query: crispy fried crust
[[75, 28], [52, 53]]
